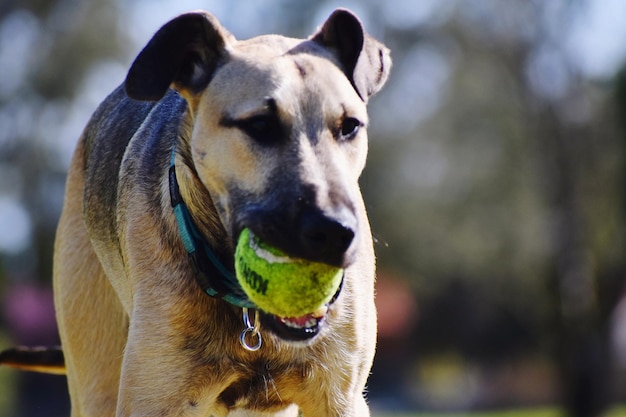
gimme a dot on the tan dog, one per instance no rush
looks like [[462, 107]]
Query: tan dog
[[267, 134]]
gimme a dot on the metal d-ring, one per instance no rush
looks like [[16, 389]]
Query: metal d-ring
[[253, 330]]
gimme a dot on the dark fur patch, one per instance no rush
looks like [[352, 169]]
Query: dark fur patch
[[301, 69], [258, 385], [106, 137], [106, 141]]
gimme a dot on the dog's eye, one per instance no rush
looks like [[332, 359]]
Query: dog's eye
[[350, 127], [265, 129], [259, 124]]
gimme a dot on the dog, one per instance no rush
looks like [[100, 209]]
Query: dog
[[207, 136]]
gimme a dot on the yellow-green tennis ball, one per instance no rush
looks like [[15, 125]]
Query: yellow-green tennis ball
[[280, 285]]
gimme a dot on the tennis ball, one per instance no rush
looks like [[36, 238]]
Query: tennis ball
[[280, 285]]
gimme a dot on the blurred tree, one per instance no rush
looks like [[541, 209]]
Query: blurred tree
[[508, 182], [46, 50]]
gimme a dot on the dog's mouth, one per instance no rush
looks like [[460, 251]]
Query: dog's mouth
[[292, 329], [295, 329], [299, 329]]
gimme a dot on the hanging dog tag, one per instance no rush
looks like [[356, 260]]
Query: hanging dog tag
[[252, 330]]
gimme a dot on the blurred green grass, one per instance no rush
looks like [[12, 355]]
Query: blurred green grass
[[538, 412]]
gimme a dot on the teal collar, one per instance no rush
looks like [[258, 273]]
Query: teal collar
[[213, 277]]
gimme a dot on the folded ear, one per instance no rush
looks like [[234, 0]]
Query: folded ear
[[184, 54], [366, 62]]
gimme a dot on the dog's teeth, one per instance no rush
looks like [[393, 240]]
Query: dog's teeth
[[292, 324], [300, 323]]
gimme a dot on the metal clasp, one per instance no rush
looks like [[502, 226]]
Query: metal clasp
[[253, 330]]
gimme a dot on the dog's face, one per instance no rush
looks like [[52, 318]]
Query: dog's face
[[280, 142], [279, 125]]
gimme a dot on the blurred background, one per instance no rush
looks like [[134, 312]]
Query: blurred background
[[496, 186]]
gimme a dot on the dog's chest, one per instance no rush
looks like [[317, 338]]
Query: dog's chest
[[263, 388], [258, 392], [262, 384]]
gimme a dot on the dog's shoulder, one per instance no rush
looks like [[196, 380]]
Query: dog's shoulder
[[113, 123], [123, 128]]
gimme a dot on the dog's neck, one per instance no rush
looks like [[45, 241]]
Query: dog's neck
[[201, 230], [200, 205], [194, 193]]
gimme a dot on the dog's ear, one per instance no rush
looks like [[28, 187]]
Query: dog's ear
[[184, 54], [366, 62]]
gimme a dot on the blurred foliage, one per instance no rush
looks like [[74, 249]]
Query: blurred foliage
[[46, 50], [544, 412]]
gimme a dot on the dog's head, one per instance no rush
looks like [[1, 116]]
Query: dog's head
[[279, 125]]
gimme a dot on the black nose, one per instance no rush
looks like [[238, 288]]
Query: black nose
[[326, 239]]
